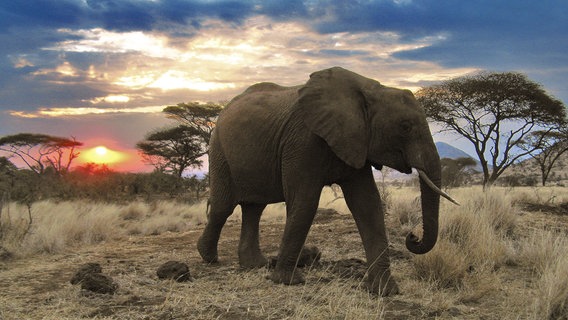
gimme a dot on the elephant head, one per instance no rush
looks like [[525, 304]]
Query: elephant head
[[364, 123]]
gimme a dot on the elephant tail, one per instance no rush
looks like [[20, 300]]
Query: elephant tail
[[208, 208]]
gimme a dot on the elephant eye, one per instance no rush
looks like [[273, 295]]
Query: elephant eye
[[405, 127]]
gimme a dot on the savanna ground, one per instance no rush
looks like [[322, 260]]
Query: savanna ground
[[503, 254]]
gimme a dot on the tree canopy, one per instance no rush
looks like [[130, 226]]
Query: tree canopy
[[41, 151], [201, 117], [455, 172], [495, 112], [174, 149], [177, 148]]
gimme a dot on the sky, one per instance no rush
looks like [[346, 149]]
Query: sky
[[102, 70]]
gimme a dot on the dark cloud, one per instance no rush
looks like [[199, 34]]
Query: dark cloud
[[281, 10], [45, 13], [524, 35], [484, 33], [418, 18], [119, 15]]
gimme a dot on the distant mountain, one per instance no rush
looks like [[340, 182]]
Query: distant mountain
[[448, 151]]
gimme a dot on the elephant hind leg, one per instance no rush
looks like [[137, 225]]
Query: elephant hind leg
[[250, 256], [207, 243], [221, 203], [301, 206]]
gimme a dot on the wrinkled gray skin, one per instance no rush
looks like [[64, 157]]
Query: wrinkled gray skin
[[275, 144]]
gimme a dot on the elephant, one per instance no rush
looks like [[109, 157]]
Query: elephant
[[284, 144]]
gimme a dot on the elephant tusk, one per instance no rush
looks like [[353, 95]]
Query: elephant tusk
[[431, 184]]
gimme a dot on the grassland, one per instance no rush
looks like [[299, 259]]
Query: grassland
[[503, 254]]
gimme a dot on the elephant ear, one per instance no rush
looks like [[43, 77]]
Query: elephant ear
[[333, 107]]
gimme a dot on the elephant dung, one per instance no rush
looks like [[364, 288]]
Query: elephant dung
[[92, 279], [84, 270], [175, 270], [99, 283]]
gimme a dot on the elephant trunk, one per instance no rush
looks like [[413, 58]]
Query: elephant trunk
[[430, 182]]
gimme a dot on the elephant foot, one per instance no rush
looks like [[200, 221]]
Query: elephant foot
[[252, 261], [208, 253], [383, 286], [291, 277]]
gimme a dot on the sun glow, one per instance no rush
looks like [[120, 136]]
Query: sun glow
[[101, 151], [103, 155]]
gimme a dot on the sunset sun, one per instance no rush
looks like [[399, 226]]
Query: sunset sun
[[101, 151], [103, 155]]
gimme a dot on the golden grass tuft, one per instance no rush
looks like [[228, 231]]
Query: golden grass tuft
[[404, 207], [445, 266], [545, 253], [552, 298], [540, 249], [472, 238]]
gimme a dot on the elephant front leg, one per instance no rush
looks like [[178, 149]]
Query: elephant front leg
[[250, 256], [300, 215], [362, 198]]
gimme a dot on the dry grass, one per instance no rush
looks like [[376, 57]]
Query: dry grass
[[539, 195], [490, 262], [552, 299], [545, 253], [58, 226], [480, 238], [472, 242]]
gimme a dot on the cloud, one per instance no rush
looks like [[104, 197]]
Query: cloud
[[487, 26], [487, 33], [110, 55], [74, 111], [221, 58]]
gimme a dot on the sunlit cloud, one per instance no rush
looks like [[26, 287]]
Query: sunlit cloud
[[220, 61], [172, 80], [64, 69], [22, 62], [101, 40], [111, 99], [79, 111], [226, 58]]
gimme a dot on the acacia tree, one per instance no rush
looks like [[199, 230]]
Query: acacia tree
[[174, 149], [547, 147], [201, 117], [40, 151], [177, 148], [455, 171], [495, 112]]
